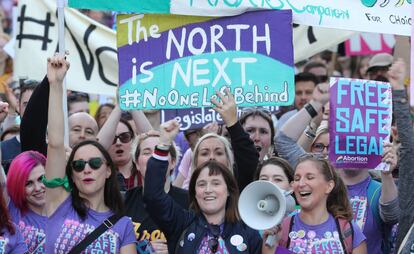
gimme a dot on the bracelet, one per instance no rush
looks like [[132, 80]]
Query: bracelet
[[163, 147], [57, 182], [309, 132], [311, 110]]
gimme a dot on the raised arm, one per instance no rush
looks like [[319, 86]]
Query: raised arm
[[162, 208], [141, 121], [406, 159], [245, 153], [107, 133], [57, 67]]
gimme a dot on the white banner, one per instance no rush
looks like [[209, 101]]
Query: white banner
[[387, 16], [92, 47]]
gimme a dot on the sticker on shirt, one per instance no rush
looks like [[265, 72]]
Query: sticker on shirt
[[74, 231], [33, 237], [205, 246], [3, 244], [329, 244], [359, 208]]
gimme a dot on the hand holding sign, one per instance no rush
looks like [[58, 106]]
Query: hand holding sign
[[226, 107], [389, 156], [396, 74]]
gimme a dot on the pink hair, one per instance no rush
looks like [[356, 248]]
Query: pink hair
[[18, 174]]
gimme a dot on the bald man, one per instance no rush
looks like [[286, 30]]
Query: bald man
[[82, 126]]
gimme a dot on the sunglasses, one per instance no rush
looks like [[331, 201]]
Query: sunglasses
[[319, 157], [124, 137], [94, 163], [252, 110], [319, 147], [213, 243]]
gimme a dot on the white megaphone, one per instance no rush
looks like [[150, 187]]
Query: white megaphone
[[263, 205]]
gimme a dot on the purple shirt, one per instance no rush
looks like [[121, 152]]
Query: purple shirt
[[12, 244], [65, 230], [322, 238], [363, 216], [32, 226]]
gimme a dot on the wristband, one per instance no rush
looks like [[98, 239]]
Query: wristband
[[163, 147], [311, 110], [57, 182], [309, 132]]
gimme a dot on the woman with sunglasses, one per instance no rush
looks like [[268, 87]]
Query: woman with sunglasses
[[82, 193], [26, 195], [213, 224], [117, 136], [324, 222]]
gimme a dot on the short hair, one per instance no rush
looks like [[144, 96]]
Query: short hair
[[27, 85], [77, 97], [253, 112], [314, 64], [18, 174], [306, 76], [216, 168], [112, 195], [227, 148], [282, 163], [11, 130]]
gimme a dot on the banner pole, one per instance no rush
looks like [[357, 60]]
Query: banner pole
[[61, 42]]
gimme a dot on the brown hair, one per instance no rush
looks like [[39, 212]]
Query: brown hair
[[216, 168], [282, 163], [338, 203], [5, 220]]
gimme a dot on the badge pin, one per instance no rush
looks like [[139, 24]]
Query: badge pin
[[191, 237], [236, 240], [242, 247]]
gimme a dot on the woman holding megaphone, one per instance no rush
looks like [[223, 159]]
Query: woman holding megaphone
[[213, 224], [324, 222]]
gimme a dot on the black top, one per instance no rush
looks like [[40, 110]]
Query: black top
[[144, 226]]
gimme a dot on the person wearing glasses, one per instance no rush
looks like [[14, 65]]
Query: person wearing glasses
[[325, 214], [117, 136], [83, 192], [213, 224], [26, 198], [375, 205]]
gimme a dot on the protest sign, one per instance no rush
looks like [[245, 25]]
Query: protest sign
[[170, 61], [92, 47], [358, 15], [369, 44], [359, 122], [195, 118]]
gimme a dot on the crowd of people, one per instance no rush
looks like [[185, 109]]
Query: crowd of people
[[127, 183]]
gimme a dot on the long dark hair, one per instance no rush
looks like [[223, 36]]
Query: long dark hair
[[216, 168], [5, 220], [112, 195], [337, 203]]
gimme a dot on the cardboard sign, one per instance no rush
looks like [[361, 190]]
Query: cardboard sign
[[168, 61], [391, 17], [360, 121]]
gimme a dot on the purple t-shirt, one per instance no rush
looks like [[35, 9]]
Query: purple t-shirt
[[32, 226], [65, 230], [363, 216], [322, 238], [12, 244]]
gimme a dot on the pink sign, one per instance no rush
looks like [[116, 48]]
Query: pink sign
[[369, 43]]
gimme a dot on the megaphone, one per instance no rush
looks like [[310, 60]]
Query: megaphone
[[263, 205]]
